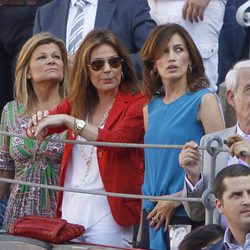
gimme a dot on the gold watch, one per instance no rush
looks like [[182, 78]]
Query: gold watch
[[79, 125]]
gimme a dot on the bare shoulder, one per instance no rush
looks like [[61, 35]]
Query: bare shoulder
[[208, 97]]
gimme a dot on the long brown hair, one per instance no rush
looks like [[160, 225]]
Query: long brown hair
[[83, 95], [23, 89], [154, 48]]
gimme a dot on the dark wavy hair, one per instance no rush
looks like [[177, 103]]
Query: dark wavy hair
[[201, 237], [154, 48]]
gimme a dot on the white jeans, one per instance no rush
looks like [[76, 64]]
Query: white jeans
[[107, 232], [205, 33]]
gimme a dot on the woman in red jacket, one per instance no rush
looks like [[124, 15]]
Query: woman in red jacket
[[105, 104]]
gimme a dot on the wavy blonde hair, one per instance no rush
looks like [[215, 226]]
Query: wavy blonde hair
[[23, 89]]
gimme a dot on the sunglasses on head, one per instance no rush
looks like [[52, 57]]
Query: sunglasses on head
[[114, 62]]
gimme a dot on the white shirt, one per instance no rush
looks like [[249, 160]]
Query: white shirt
[[84, 209], [89, 20]]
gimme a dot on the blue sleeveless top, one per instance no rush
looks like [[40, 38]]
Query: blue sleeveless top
[[175, 124]]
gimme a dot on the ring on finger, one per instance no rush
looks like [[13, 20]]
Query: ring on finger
[[155, 219]]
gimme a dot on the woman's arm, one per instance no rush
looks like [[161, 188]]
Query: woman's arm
[[210, 114], [40, 122], [4, 186], [7, 165], [129, 129]]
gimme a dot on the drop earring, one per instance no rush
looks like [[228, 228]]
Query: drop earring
[[189, 69], [154, 72]]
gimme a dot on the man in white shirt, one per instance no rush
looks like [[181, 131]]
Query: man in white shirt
[[196, 181]]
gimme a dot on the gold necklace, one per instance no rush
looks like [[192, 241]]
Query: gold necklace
[[88, 161], [88, 158], [103, 121]]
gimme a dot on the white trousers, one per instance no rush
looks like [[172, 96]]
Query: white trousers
[[107, 232]]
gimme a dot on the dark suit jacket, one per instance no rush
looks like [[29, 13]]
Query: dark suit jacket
[[128, 19]]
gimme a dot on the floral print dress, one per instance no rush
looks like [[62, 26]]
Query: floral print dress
[[32, 163]]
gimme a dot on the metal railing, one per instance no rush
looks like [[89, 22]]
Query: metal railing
[[207, 197]]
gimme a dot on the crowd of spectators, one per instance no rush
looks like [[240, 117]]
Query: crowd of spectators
[[124, 71]]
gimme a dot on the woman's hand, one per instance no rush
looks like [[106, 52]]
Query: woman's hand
[[33, 123], [162, 213], [40, 121]]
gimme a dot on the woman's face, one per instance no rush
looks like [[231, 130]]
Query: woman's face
[[173, 64], [46, 64], [105, 68]]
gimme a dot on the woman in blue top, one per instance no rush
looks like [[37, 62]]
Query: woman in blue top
[[180, 109]]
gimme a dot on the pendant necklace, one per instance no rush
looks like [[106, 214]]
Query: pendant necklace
[[88, 158]]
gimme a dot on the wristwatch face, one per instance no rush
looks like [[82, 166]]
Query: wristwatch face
[[80, 124]]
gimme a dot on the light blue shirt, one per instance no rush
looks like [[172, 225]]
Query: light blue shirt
[[229, 245]]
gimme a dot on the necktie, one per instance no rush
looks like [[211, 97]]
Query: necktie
[[75, 37]]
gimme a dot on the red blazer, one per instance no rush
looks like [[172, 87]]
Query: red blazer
[[121, 169]]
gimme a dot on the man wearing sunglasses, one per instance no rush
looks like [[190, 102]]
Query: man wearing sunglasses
[[129, 20]]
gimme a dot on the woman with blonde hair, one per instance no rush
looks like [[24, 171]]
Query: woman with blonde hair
[[41, 78]]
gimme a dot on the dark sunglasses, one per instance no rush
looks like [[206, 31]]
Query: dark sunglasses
[[114, 62]]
